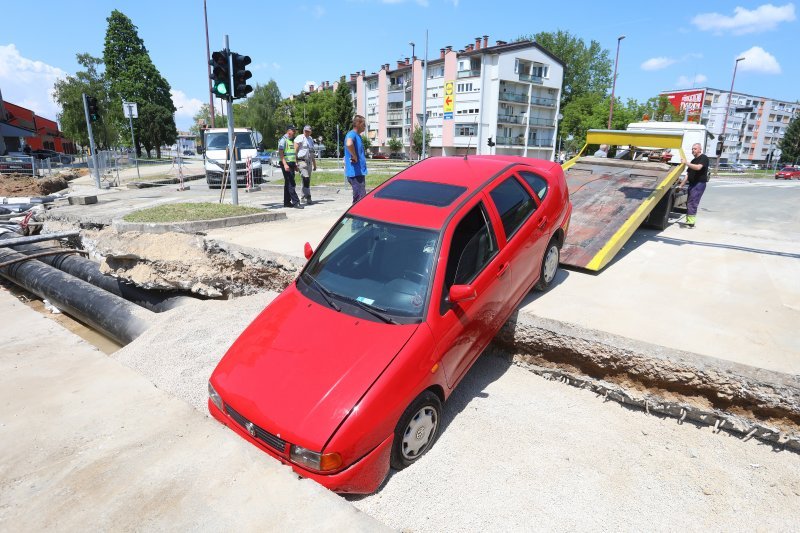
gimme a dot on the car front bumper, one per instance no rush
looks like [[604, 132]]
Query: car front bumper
[[362, 477]]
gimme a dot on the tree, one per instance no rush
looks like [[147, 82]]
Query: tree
[[203, 117], [366, 141], [395, 145], [68, 94], [343, 110], [156, 127], [260, 113], [417, 140], [790, 144], [132, 77], [587, 69]]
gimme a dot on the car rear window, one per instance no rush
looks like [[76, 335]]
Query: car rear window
[[421, 192]]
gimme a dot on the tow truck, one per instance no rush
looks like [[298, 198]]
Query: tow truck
[[612, 197]]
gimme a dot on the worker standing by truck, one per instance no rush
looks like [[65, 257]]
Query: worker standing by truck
[[288, 167], [697, 176]]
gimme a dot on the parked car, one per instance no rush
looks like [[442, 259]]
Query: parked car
[[264, 157], [11, 164], [188, 152], [405, 291], [379, 155], [788, 173], [401, 156]]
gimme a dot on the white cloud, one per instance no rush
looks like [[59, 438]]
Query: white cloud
[[685, 82], [759, 60], [308, 85], [29, 83], [186, 107], [763, 18], [657, 63]]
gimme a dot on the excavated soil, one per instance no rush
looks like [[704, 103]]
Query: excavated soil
[[26, 185]]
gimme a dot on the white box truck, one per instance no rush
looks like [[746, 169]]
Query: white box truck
[[692, 133], [215, 156]]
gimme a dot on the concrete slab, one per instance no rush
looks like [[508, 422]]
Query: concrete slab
[[91, 444]]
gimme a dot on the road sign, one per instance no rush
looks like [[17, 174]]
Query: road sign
[[130, 110], [449, 101]]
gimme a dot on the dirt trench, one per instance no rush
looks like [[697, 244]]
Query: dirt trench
[[15, 184], [747, 401]]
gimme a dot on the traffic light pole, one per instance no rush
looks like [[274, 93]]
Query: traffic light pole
[[133, 140], [232, 173], [91, 143]]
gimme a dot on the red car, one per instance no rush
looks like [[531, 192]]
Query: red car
[[788, 173], [344, 374], [380, 155]]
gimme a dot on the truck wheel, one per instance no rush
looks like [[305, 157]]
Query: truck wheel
[[550, 261], [659, 216]]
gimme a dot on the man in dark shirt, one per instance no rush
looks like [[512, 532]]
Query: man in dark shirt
[[697, 176]]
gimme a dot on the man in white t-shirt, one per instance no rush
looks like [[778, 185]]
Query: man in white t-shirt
[[306, 161]]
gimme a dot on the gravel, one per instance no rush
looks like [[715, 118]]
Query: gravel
[[518, 452]]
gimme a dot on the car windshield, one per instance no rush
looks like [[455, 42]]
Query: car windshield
[[385, 266], [219, 141]]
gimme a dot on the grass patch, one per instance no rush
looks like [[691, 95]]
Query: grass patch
[[187, 212], [337, 178]]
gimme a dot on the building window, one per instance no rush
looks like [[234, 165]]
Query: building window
[[464, 87], [465, 130]]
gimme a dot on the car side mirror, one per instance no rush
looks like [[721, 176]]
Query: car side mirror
[[308, 251], [461, 293]]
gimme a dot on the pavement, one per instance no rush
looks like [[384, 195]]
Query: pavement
[[726, 289]]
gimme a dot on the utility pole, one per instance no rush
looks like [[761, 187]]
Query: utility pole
[[721, 144], [425, 100], [614, 82], [208, 54], [411, 127], [233, 177]]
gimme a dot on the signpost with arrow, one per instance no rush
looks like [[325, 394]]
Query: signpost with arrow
[[449, 101]]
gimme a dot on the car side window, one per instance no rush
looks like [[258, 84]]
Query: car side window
[[472, 247], [513, 203], [537, 183]]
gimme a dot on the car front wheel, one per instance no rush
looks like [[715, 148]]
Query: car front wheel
[[417, 430], [549, 265]]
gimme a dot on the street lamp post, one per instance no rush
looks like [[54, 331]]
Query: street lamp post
[[614, 82], [411, 112], [725, 118], [558, 124]]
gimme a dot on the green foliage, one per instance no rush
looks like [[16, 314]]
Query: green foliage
[[587, 69], [790, 144], [156, 127], [68, 94], [132, 77], [184, 212], [259, 112], [203, 116], [367, 142], [343, 111], [416, 139], [395, 144]]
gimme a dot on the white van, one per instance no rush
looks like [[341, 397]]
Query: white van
[[692, 133], [215, 141]]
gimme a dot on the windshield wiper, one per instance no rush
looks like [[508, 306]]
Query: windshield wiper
[[323, 291], [374, 310]]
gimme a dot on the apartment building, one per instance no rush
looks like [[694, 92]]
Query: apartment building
[[507, 92], [755, 124]]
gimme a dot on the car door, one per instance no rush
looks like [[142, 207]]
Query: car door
[[523, 230], [471, 255]]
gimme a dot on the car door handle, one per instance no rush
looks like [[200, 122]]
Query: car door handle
[[502, 269], [542, 222]]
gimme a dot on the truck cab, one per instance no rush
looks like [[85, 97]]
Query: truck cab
[[216, 161]]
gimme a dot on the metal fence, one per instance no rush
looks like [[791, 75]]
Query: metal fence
[[38, 166]]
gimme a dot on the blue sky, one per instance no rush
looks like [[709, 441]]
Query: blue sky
[[672, 45]]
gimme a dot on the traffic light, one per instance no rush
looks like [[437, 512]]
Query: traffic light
[[719, 148], [240, 76], [490, 142], [91, 104], [220, 74]]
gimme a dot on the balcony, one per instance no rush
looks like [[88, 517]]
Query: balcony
[[394, 116], [530, 78], [396, 86], [509, 119], [511, 141], [546, 102], [473, 73], [547, 122], [540, 143], [514, 97]]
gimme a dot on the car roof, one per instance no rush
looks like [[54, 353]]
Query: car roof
[[471, 173]]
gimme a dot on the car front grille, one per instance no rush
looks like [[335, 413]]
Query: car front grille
[[260, 434]]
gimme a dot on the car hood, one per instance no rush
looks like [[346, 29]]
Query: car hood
[[299, 367]]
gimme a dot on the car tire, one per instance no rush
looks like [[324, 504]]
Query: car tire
[[549, 268], [417, 430]]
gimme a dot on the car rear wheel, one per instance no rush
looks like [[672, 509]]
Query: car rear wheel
[[550, 261], [417, 430]]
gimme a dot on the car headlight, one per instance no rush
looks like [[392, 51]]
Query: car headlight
[[322, 462], [215, 398]]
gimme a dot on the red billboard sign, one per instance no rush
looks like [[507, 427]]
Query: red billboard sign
[[691, 100]]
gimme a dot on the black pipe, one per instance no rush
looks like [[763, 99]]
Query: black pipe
[[119, 319], [89, 271]]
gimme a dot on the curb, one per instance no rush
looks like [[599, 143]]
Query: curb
[[195, 226], [158, 183]]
